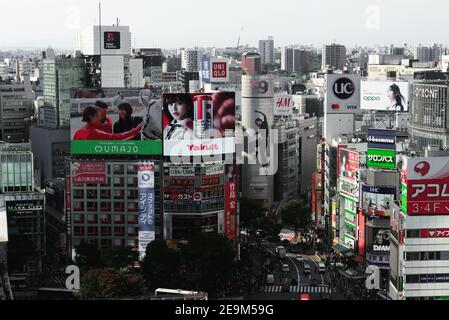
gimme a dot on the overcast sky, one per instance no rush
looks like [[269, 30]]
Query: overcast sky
[[188, 23]]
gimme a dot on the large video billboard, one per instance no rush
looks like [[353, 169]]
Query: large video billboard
[[343, 93], [425, 186], [348, 173], [115, 121], [146, 204], [199, 124], [385, 95], [378, 201], [3, 226]]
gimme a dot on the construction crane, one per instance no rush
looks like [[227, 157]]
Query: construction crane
[[240, 35], [5, 286]]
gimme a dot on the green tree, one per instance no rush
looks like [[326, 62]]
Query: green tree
[[209, 259], [296, 214], [110, 283], [118, 257], [87, 256], [161, 266]]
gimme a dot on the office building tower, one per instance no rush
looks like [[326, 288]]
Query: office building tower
[[60, 76], [334, 56], [251, 63], [16, 100], [429, 115], [190, 60], [24, 207], [266, 48]]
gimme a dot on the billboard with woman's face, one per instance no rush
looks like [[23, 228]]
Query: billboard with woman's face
[[116, 121], [385, 95], [199, 124]]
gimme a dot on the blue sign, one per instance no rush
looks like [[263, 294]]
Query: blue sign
[[146, 206], [382, 139], [205, 70]]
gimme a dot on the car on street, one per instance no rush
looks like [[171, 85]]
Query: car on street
[[293, 250], [299, 258], [270, 278], [285, 268], [321, 268], [307, 269]]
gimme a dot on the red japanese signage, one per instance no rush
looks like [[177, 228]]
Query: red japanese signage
[[426, 190], [231, 202], [434, 233], [89, 173]]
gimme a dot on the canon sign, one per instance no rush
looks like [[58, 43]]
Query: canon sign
[[343, 88]]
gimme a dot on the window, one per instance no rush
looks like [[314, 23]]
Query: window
[[413, 234], [92, 218], [105, 219], [412, 279], [92, 231], [412, 256], [106, 231], [119, 231]]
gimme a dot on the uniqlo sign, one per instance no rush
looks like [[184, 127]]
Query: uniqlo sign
[[219, 70], [426, 184]]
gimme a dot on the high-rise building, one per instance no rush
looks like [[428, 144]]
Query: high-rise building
[[266, 48], [428, 54], [259, 146], [60, 76], [105, 213], [251, 63], [333, 55], [295, 60], [107, 51], [194, 200], [16, 100], [429, 114], [190, 60], [24, 207], [172, 64]]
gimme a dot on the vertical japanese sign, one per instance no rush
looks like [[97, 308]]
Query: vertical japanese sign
[[146, 207], [231, 201], [3, 227]]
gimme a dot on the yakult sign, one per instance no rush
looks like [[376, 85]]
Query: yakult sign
[[283, 105], [425, 186]]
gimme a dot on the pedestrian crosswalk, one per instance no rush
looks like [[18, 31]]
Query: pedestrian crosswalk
[[298, 289]]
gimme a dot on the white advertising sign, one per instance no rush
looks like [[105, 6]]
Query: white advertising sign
[[343, 93], [385, 95], [283, 105], [3, 227]]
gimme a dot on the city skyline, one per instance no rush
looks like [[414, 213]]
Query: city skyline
[[365, 23]]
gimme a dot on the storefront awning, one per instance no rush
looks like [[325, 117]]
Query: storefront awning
[[340, 248]]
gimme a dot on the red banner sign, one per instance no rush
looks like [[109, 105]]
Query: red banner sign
[[231, 202], [89, 173], [434, 233]]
